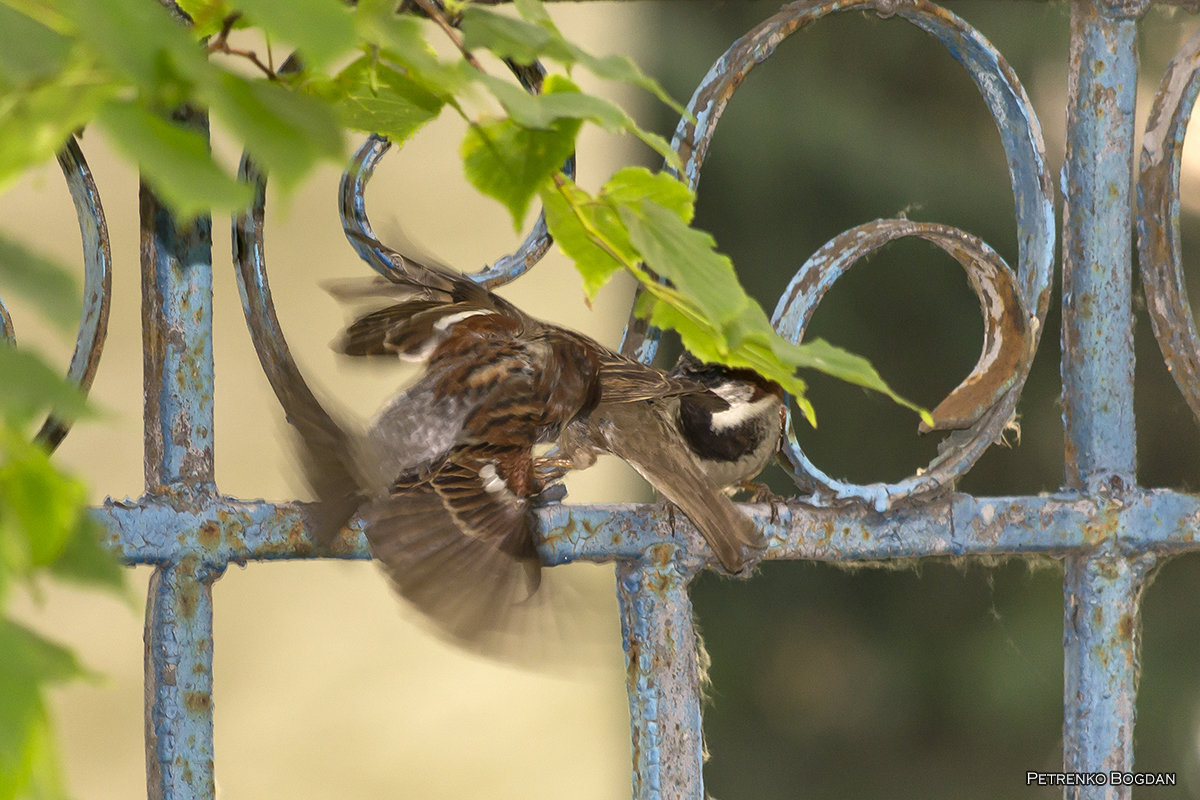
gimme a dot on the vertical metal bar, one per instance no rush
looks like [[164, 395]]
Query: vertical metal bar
[[1102, 634], [662, 659], [178, 376], [1097, 357], [1102, 589], [179, 646], [177, 346]]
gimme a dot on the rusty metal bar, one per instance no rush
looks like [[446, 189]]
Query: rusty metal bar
[[1103, 588], [663, 674], [97, 282], [1102, 631], [178, 376], [178, 663], [177, 343], [1097, 360], [1109, 532], [1164, 522]]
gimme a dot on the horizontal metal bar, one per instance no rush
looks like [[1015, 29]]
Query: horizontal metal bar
[[226, 530]]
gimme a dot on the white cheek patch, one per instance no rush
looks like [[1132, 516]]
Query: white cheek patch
[[739, 412], [732, 392]]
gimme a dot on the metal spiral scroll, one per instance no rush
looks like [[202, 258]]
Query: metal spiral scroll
[[249, 256], [1158, 221], [1014, 305], [97, 286]]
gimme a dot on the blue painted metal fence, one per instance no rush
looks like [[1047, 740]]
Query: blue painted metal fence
[[1108, 530]]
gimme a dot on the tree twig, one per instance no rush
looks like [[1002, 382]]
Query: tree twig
[[435, 13], [220, 44]]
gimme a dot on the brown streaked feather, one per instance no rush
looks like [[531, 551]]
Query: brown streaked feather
[[467, 587], [368, 335], [624, 380], [492, 509]]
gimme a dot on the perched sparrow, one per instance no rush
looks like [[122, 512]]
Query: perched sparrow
[[685, 446], [735, 444], [445, 478]]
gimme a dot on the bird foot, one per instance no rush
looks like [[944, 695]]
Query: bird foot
[[761, 493], [548, 472]]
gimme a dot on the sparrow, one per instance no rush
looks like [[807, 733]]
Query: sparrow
[[445, 480], [735, 444], [690, 448]]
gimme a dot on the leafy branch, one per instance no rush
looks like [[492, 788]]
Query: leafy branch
[[123, 65], [44, 529]]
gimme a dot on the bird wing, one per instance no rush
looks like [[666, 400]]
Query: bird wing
[[466, 585], [623, 380], [640, 434]]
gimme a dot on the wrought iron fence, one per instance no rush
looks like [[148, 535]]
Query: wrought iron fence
[[1108, 530]]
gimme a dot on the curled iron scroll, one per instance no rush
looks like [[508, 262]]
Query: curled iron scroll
[[1158, 221], [354, 219], [250, 258], [1021, 137], [97, 286], [6, 327], [978, 408], [354, 210]]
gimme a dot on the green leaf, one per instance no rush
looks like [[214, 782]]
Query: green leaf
[[40, 507], [632, 184], [32, 658], [175, 160], [30, 769], [29, 51], [378, 99], [687, 257], [286, 131], [536, 36], [511, 163], [534, 11], [45, 283], [401, 38], [321, 30], [559, 99], [621, 68], [35, 122], [50, 15], [142, 42], [86, 561], [512, 38], [28, 758], [29, 387], [820, 355], [208, 16], [589, 231]]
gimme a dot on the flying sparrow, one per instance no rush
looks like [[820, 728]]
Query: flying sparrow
[[445, 478]]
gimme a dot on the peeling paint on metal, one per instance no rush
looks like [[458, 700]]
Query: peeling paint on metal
[[663, 677], [1109, 532]]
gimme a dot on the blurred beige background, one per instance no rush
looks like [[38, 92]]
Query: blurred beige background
[[324, 685]]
